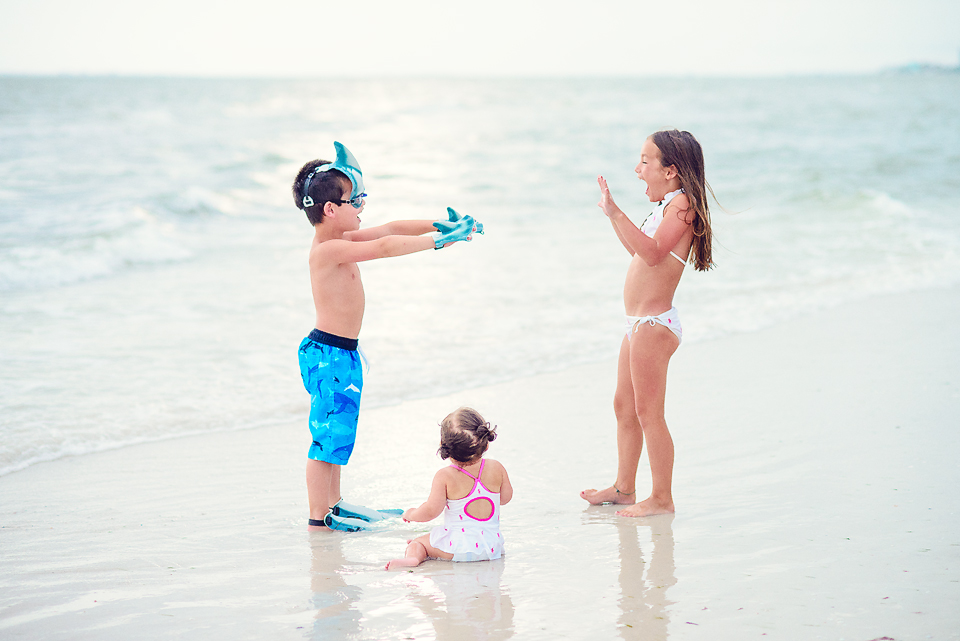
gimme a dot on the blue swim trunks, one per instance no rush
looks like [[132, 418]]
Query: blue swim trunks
[[332, 372]]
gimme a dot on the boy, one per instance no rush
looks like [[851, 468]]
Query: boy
[[331, 195]]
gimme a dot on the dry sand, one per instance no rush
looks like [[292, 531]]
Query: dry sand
[[816, 486]]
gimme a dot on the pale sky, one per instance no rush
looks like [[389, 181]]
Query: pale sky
[[489, 38]]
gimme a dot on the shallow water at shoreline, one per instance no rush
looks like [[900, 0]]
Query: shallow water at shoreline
[[152, 266]]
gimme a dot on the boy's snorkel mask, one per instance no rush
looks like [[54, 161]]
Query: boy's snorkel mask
[[348, 166]]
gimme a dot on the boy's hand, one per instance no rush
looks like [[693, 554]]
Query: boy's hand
[[458, 228]]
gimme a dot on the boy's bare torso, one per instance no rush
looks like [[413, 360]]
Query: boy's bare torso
[[337, 292]]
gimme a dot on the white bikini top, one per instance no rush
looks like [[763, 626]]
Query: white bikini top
[[652, 222]]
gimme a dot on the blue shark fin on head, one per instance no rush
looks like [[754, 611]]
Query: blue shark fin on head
[[346, 163]]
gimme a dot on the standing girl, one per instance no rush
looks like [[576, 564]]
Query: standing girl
[[469, 493], [671, 164]]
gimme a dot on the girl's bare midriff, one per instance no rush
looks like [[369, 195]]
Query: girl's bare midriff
[[649, 290]]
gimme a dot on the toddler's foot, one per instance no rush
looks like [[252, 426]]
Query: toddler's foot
[[649, 507], [405, 562], [609, 495]]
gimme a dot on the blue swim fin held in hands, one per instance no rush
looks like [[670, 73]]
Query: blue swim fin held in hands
[[445, 227], [454, 216], [458, 228]]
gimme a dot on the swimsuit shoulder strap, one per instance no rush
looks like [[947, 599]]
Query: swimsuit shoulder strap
[[475, 478], [673, 194]]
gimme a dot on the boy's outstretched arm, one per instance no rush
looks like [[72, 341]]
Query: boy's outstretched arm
[[345, 251], [394, 228], [414, 227]]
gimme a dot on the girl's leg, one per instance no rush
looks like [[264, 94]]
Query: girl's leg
[[418, 550], [323, 488], [629, 439], [650, 352]]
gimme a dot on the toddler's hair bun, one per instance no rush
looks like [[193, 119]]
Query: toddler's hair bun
[[486, 432]]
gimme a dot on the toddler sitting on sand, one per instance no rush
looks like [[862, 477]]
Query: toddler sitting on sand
[[469, 493]]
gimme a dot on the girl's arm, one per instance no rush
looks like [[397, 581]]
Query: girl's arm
[[433, 506], [607, 205], [623, 240], [651, 250], [395, 228]]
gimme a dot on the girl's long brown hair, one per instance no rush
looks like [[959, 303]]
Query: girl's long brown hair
[[681, 149]]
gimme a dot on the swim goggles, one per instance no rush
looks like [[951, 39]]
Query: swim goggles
[[356, 202]]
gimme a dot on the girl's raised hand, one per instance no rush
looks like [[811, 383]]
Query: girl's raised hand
[[606, 200]]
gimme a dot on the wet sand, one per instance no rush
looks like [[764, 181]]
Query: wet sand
[[815, 484]]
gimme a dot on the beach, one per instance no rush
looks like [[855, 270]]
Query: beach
[[815, 485]]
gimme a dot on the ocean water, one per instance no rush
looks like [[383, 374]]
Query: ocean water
[[153, 278]]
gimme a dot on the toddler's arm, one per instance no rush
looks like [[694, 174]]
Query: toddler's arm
[[433, 506], [506, 489]]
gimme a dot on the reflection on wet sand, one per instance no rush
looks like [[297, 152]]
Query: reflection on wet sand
[[440, 599], [334, 600], [462, 600], [643, 598]]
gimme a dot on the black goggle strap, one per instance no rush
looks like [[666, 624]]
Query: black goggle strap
[[307, 200]]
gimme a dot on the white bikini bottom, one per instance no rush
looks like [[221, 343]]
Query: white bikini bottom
[[669, 319]]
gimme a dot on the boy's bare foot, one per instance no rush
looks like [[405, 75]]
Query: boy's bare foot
[[649, 507], [609, 495], [405, 562]]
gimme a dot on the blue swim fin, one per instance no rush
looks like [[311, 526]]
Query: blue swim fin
[[351, 511], [344, 524]]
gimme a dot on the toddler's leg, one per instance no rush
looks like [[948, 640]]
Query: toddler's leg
[[415, 554], [418, 551]]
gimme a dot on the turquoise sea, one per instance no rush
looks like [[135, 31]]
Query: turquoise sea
[[153, 277]]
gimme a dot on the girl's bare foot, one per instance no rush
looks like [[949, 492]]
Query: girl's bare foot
[[609, 495], [405, 562], [649, 507]]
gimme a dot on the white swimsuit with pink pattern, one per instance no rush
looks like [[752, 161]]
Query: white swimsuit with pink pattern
[[465, 537]]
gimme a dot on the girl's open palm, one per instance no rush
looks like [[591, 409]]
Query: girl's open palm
[[606, 200]]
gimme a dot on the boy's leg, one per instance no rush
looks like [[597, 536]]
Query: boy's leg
[[323, 488], [629, 439], [650, 352]]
